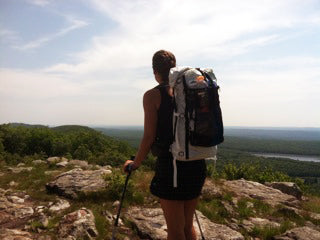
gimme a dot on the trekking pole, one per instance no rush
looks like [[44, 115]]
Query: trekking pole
[[128, 170], [202, 237]]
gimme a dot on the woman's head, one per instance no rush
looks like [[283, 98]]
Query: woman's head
[[162, 61]]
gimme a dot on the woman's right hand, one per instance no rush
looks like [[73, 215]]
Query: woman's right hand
[[129, 166]]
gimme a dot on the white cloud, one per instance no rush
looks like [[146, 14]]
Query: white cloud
[[38, 97], [105, 82], [34, 85], [73, 25], [273, 92], [190, 29], [8, 36], [41, 3]]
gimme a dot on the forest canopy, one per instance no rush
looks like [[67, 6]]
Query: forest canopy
[[18, 142]]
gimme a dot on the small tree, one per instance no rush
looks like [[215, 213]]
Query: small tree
[[82, 152]]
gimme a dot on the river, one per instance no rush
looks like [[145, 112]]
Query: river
[[291, 156]]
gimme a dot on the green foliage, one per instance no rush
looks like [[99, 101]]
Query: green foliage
[[288, 214], [53, 222], [254, 172], [272, 145], [268, 232], [100, 222], [82, 152], [243, 209], [35, 225], [115, 183], [212, 170], [213, 210], [79, 142], [1, 145], [312, 205], [150, 162], [261, 207]]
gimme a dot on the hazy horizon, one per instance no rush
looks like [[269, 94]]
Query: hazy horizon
[[141, 126]]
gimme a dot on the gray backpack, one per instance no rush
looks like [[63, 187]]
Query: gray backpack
[[197, 118]]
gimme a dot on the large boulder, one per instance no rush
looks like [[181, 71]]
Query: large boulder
[[299, 233], [151, 224], [20, 169], [78, 225], [289, 188], [59, 205], [62, 164], [210, 190], [252, 222], [80, 163], [77, 181], [255, 190], [38, 162], [54, 160]]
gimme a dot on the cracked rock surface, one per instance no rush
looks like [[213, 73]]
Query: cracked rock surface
[[150, 223]]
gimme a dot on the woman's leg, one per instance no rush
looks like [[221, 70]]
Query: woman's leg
[[173, 211], [189, 209]]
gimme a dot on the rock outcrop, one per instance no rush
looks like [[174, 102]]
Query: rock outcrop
[[59, 206], [250, 223], [20, 169], [15, 234], [24, 218], [300, 233], [16, 208], [151, 224], [38, 162], [289, 188], [210, 191], [78, 225], [255, 190], [77, 181], [54, 160], [79, 163]]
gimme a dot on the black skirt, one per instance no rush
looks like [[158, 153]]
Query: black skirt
[[190, 178]]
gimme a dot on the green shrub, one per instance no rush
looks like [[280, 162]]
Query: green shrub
[[243, 209], [213, 210], [115, 186], [254, 172], [268, 232]]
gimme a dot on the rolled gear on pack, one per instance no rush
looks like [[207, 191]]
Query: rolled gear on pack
[[197, 118]]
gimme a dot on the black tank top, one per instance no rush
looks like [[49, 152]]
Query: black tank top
[[164, 135]]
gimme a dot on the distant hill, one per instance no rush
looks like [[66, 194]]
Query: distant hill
[[302, 134], [301, 141], [281, 133], [28, 125], [130, 135], [72, 128]]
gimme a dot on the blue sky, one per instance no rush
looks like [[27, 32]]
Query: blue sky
[[89, 61]]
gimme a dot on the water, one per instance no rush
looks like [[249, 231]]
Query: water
[[291, 156]]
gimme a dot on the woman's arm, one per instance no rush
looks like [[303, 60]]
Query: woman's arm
[[151, 103]]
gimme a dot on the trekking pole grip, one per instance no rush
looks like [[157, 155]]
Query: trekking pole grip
[[128, 168]]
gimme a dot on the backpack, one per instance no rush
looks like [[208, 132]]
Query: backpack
[[197, 118]]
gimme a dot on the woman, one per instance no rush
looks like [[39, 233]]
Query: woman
[[179, 203]]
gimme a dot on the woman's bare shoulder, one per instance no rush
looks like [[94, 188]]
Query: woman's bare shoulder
[[152, 97], [152, 93]]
